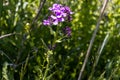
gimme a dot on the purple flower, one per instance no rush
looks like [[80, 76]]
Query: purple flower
[[67, 10], [46, 22], [59, 13], [67, 31], [54, 19], [55, 7], [69, 18]]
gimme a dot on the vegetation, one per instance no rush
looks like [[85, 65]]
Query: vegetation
[[30, 50]]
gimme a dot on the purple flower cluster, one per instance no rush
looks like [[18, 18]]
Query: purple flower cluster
[[59, 13], [67, 31]]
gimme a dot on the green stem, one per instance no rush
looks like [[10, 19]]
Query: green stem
[[55, 36]]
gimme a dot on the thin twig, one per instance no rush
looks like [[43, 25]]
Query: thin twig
[[34, 50], [21, 63], [14, 65], [93, 38], [42, 2], [1, 52], [6, 35], [21, 48], [98, 55]]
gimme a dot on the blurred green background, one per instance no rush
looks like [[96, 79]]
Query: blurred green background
[[23, 55]]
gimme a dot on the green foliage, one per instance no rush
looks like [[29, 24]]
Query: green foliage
[[65, 61], [4, 72]]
